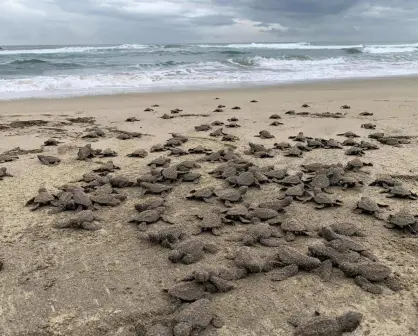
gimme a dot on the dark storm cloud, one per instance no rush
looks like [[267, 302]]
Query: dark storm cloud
[[160, 21]]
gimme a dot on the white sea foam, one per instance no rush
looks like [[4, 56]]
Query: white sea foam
[[65, 50], [284, 46], [388, 49]]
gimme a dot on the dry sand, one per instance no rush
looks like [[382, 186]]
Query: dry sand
[[106, 282]]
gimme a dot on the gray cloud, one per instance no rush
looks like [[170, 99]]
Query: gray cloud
[[177, 21]]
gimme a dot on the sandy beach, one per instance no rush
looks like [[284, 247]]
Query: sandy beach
[[111, 281]]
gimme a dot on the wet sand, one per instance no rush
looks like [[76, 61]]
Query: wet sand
[[107, 282]]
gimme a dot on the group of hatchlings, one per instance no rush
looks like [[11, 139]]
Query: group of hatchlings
[[268, 226]]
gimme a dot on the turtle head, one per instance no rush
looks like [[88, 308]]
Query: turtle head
[[350, 321], [243, 190]]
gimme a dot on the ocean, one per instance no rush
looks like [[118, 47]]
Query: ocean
[[60, 71]]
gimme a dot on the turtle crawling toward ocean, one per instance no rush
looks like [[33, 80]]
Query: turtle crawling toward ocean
[[368, 126], [294, 152], [230, 195], [345, 107], [190, 251], [293, 228], [349, 182], [299, 137], [357, 164], [155, 188], [400, 191], [403, 220], [211, 222], [147, 217], [203, 128], [85, 220], [368, 206], [139, 153], [366, 114], [276, 123], [4, 173], [203, 194], [51, 142], [263, 234], [385, 181], [263, 134], [327, 326], [349, 134], [275, 116], [161, 161], [355, 151], [150, 203], [43, 198]]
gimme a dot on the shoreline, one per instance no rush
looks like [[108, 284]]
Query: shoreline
[[319, 84]]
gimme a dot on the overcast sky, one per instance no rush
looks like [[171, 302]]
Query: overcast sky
[[178, 21]]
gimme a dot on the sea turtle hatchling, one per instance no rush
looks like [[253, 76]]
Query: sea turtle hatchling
[[368, 126], [155, 188], [292, 228], [161, 161], [42, 199], [350, 142], [51, 142], [276, 123], [203, 128], [275, 116], [203, 194], [147, 217], [327, 326], [376, 135], [105, 168], [176, 151], [190, 251], [150, 203], [365, 114], [244, 179], [263, 134], [200, 150], [403, 220], [210, 222], [139, 153], [232, 124], [400, 191], [282, 145], [4, 173], [294, 152], [349, 134], [357, 164], [217, 123], [292, 180], [368, 206], [229, 195], [299, 137], [325, 201], [355, 151], [332, 144], [297, 192], [368, 145], [236, 213], [385, 181], [85, 220], [262, 233], [218, 110], [157, 148], [348, 182]]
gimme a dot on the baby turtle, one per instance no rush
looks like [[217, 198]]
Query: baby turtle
[[233, 125], [85, 220], [178, 151], [299, 137], [233, 119], [139, 153], [51, 142], [244, 179], [400, 191], [218, 110], [147, 217], [217, 123], [276, 123], [167, 116], [368, 126], [221, 106], [200, 150], [210, 222], [236, 213], [329, 326], [150, 203], [385, 181], [157, 148], [86, 152], [290, 112], [176, 110], [371, 270], [350, 182], [160, 162], [332, 144], [368, 145], [131, 119], [108, 153], [350, 142], [155, 188], [204, 194], [155, 105], [305, 105], [4, 173], [203, 128], [254, 101], [320, 182], [277, 205], [275, 117], [391, 141], [236, 108], [376, 135], [167, 237], [349, 134], [355, 151], [345, 107], [357, 164], [290, 256], [42, 199], [229, 137], [263, 134], [195, 318], [148, 109], [282, 145], [263, 234], [292, 180], [325, 201], [368, 206], [365, 114], [294, 152], [229, 195], [107, 167], [293, 228], [217, 133], [190, 251], [403, 220]]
